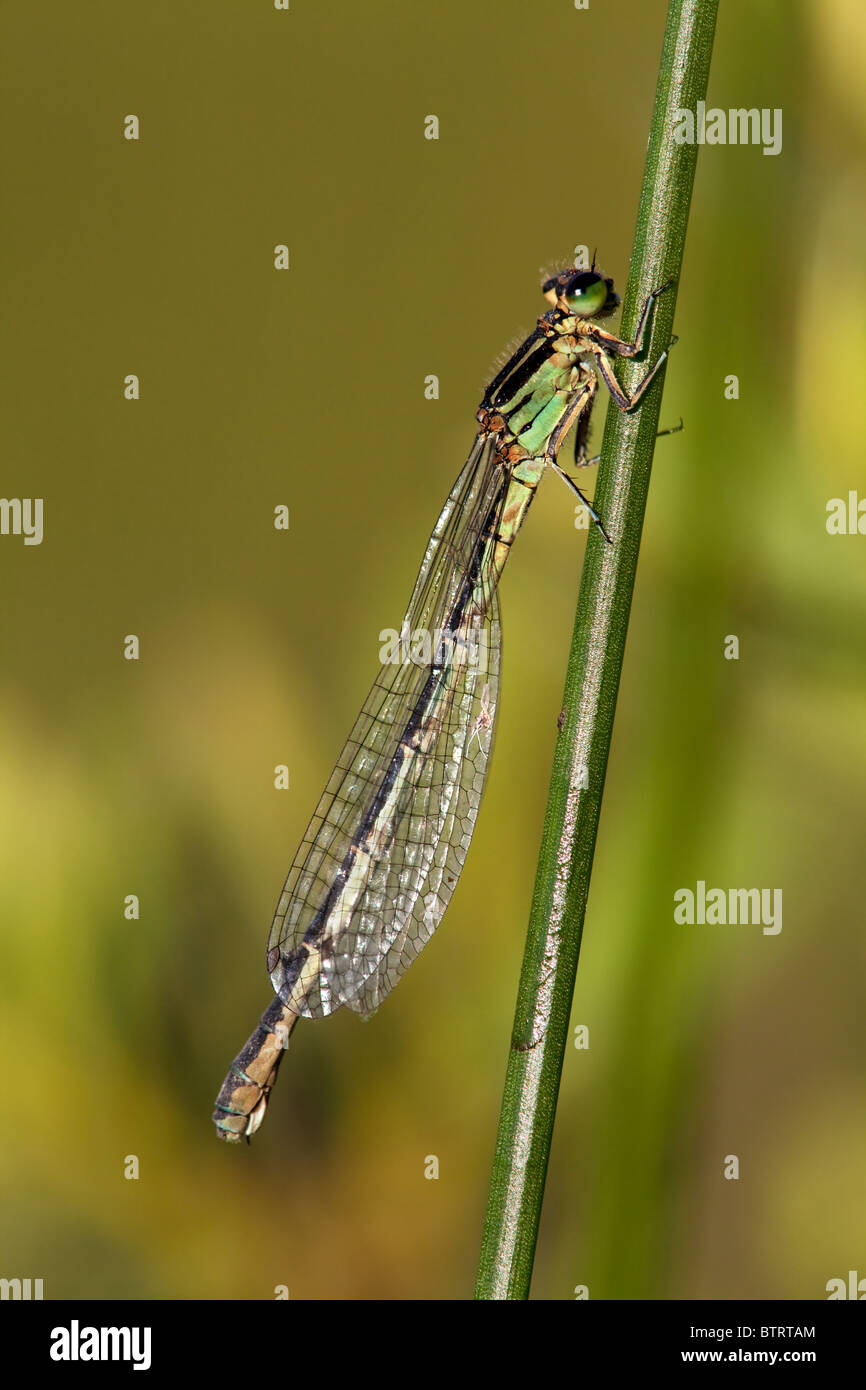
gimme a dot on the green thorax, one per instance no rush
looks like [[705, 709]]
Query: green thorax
[[532, 405]]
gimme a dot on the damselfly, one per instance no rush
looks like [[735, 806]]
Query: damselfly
[[383, 852]]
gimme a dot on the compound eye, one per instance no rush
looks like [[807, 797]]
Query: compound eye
[[585, 293]]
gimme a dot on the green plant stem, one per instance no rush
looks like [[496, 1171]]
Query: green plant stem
[[595, 663]]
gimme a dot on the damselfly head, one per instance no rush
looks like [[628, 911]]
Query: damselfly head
[[587, 293]]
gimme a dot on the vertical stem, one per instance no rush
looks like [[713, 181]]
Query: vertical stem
[[592, 681]]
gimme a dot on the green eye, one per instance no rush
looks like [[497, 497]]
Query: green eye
[[586, 293]]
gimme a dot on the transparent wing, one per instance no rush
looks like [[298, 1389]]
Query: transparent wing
[[383, 851], [471, 735]]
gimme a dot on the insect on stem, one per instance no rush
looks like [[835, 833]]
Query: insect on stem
[[382, 854]]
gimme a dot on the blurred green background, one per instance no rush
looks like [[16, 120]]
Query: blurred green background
[[155, 777]]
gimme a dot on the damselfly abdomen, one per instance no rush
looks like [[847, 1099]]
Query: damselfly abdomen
[[383, 852]]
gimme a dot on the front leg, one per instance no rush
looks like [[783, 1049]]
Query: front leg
[[580, 412], [622, 397], [618, 347], [581, 436]]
